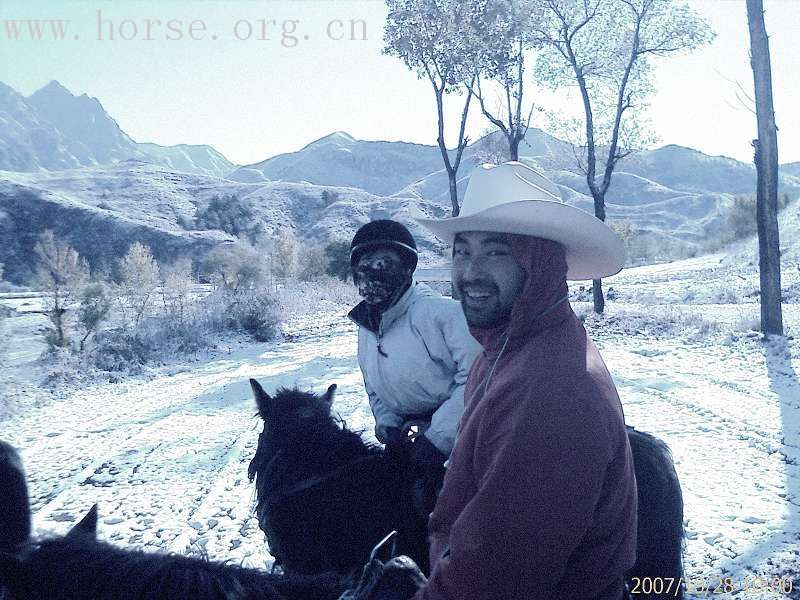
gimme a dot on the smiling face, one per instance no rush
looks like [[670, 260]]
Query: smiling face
[[487, 277]]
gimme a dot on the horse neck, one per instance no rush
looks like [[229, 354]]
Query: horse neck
[[83, 568]]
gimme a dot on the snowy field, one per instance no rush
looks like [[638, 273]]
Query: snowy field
[[166, 455]]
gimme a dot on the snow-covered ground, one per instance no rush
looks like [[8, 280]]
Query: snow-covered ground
[[166, 456]]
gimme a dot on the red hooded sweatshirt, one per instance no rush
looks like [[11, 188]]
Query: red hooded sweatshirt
[[539, 500]]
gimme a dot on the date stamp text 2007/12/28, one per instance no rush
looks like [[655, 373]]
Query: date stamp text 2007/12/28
[[711, 586]]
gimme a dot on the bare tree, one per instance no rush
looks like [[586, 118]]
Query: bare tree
[[605, 48], [284, 253], [312, 262], [176, 288], [766, 159], [490, 148], [501, 36], [61, 274], [139, 280], [427, 36]]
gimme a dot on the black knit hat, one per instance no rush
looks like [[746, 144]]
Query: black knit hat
[[384, 232]]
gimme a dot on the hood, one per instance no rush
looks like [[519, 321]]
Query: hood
[[543, 301]]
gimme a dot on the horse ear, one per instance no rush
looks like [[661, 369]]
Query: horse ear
[[328, 397], [87, 525], [263, 400]]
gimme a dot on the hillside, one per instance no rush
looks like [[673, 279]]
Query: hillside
[[76, 169], [102, 210], [380, 168], [54, 129]]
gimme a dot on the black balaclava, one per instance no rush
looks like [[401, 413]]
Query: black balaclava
[[379, 281]]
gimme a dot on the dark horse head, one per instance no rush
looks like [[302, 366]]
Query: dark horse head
[[324, 496], [79, 567]]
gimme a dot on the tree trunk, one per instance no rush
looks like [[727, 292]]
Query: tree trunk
[[766, 160], [597, 285], [513, 147], [451, 175], [597, 296]]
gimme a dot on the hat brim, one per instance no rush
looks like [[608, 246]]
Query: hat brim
[[593, 250]]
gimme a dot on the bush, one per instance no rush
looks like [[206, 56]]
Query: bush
[[657, 323], [94, 309], [231, 215], [338, 254], [254, 313], [302, 298], [235, 266], [741, 215], [121, 350], [284, 253]]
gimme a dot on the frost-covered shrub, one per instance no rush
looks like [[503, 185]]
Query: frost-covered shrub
[[745, 324], [67, 370], [725, 296], [230, 214], [312, 262], [160, 338], [658, 322], [582, 294], [338, 255], [255, 313], [234, 266], [120, 350]]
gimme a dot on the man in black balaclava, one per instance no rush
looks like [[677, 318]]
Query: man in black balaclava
[[414, 350]]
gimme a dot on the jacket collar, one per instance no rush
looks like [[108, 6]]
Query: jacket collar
[[362, 316]]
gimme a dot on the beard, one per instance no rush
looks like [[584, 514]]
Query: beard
[[379, 286], [485, 317], [486, 311]]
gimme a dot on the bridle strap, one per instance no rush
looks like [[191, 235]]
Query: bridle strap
[[311, 482]]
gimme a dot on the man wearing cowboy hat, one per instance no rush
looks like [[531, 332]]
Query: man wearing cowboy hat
[[539, 499]]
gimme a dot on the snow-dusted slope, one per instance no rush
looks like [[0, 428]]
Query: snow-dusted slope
[[102, 210], [381, 168], [54, 129], [27, 142], [186, 158], [92, 136]]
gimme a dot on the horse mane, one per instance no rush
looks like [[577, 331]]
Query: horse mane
[[78, 567]]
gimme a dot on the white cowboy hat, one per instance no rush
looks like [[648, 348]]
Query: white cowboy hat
[[514, 198]]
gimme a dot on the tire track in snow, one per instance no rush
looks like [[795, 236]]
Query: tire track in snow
[[167, 458]]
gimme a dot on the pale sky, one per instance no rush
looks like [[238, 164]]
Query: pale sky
[[254, 98]]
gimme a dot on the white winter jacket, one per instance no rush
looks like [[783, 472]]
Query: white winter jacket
[[417, 363]]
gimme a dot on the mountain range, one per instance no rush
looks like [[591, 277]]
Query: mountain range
[[52, 129], [66, 165]]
